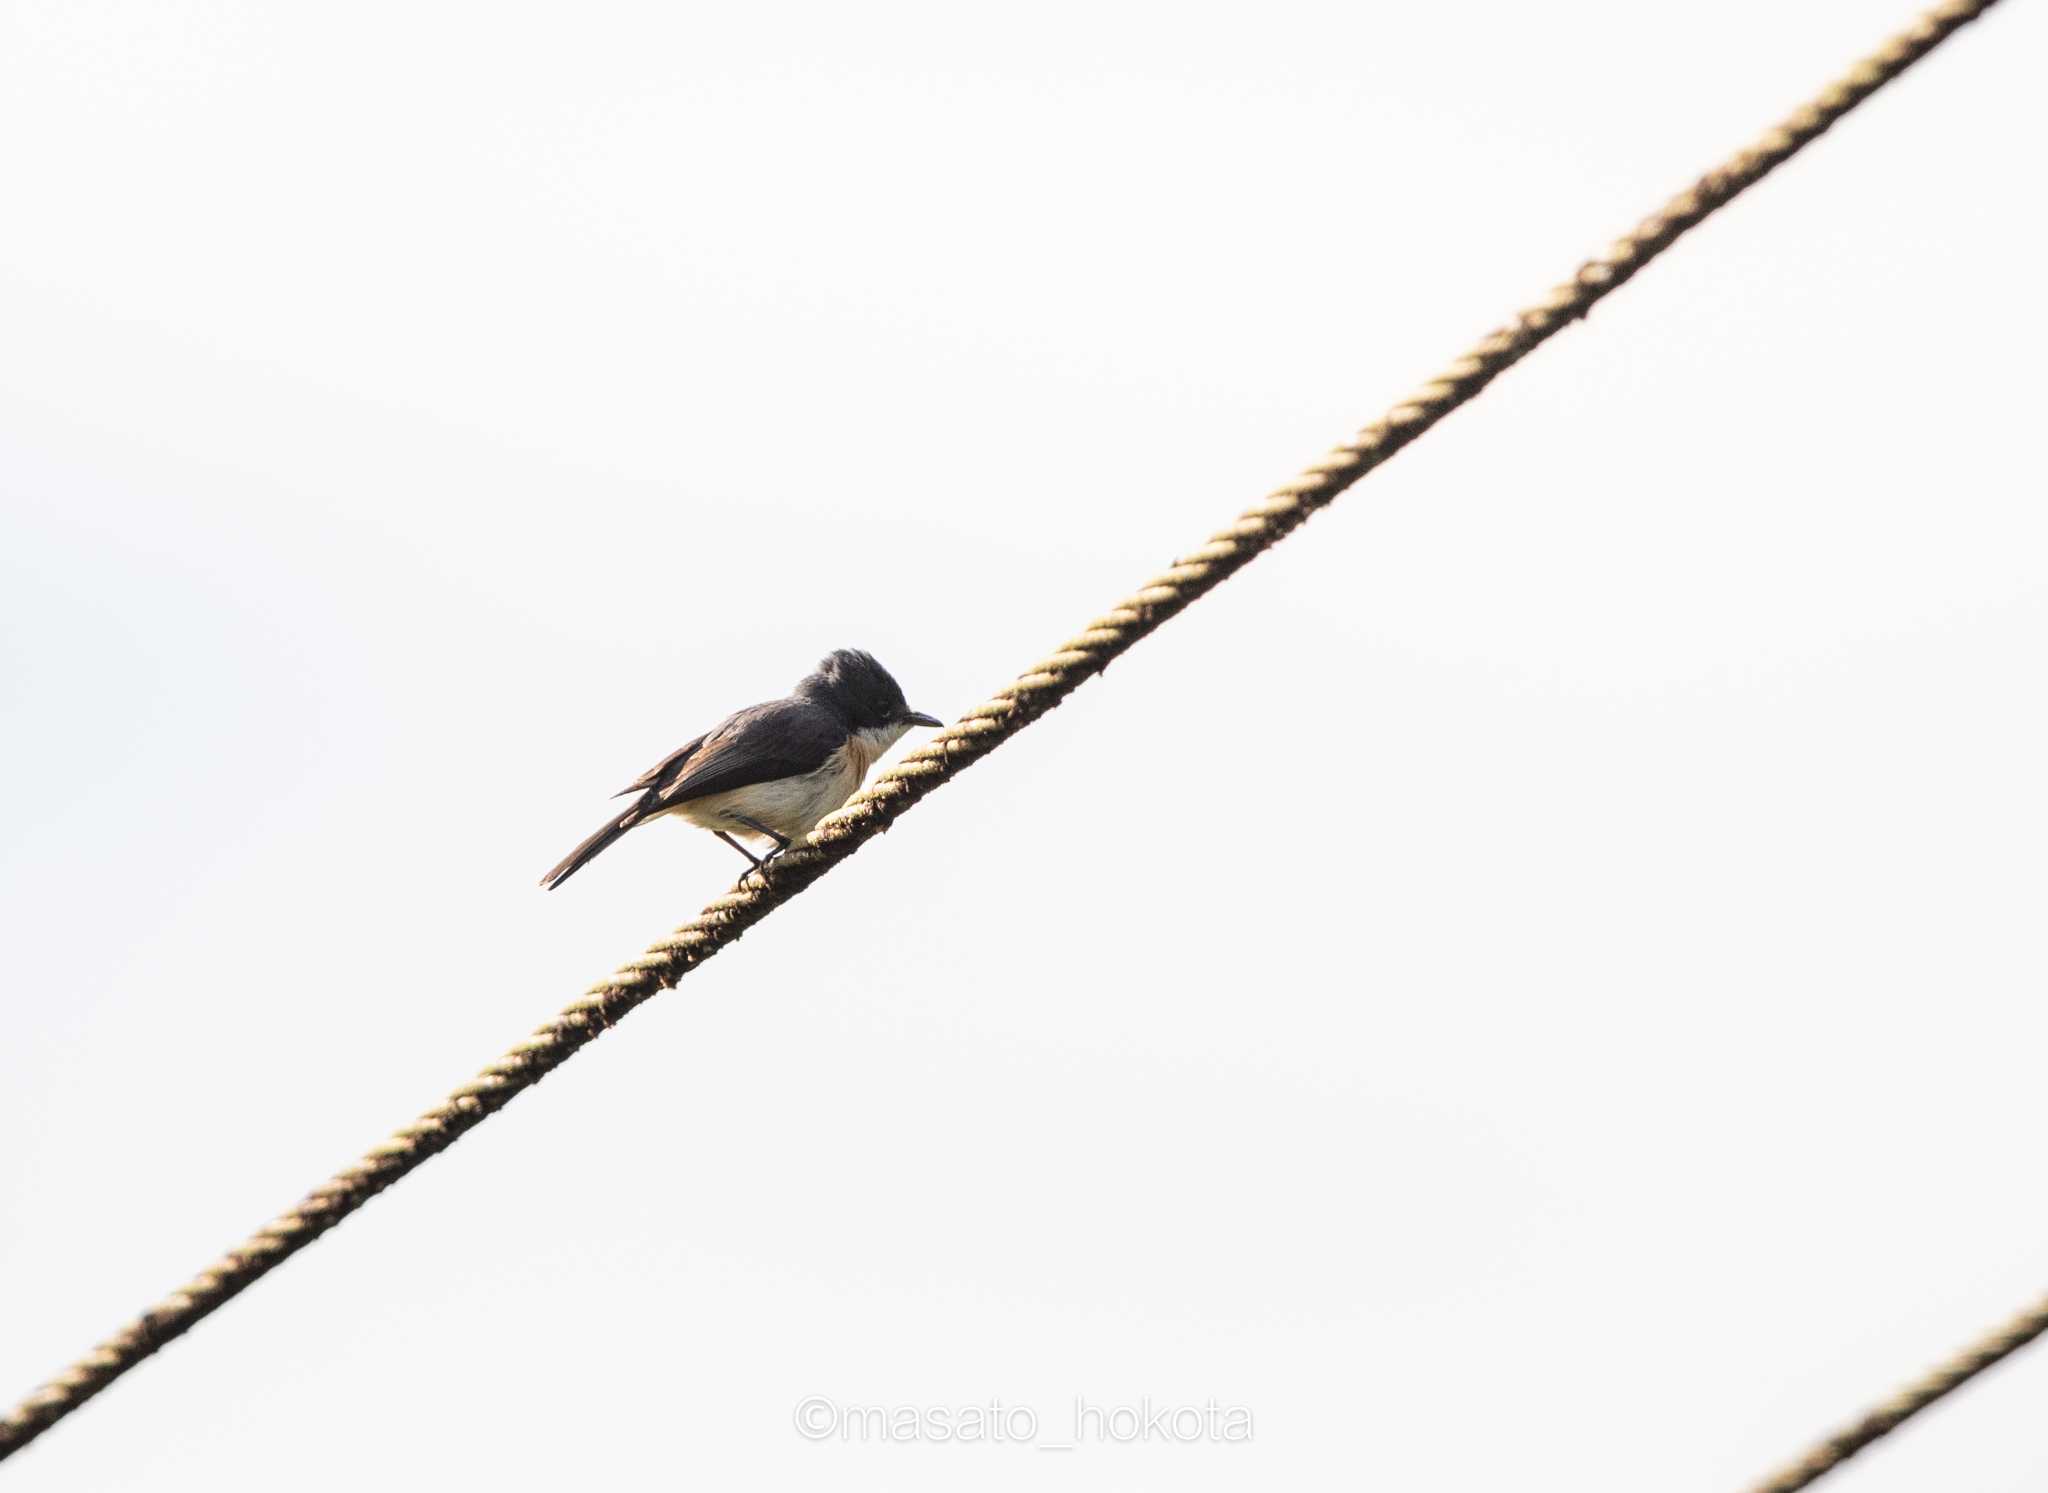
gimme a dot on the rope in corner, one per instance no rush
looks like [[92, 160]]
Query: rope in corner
[[1039, 690], [1881, 1420]]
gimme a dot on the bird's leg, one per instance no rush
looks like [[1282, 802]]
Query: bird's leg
[[760, 863], [781, 841], [752, 860]]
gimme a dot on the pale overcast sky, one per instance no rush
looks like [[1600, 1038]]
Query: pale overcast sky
[[1537, 983]]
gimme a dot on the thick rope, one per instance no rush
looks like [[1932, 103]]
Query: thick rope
[[2001, 1342], [967, 741]]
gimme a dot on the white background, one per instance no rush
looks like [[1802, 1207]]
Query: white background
[[1538, 983]]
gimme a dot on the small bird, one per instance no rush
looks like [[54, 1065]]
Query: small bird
[[770, 772]]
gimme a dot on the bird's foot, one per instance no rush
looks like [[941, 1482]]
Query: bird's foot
[[760, 866]]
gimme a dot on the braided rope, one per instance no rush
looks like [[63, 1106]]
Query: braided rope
[[2001, 1342], [960, 745]]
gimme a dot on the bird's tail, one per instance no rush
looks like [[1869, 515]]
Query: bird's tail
[[574, 860]]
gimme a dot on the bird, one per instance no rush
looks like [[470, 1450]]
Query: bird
[[770, 772]]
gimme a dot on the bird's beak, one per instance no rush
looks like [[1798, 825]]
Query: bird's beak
[[919, 718]]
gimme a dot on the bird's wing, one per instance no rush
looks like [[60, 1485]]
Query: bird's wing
[[666, 768], [782, 739]]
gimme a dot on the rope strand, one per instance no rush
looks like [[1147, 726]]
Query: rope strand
[[979, 732], [1945, 1378]]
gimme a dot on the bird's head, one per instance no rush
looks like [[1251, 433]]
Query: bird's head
[[856, 685]]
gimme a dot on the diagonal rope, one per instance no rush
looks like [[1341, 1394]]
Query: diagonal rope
[[1943, 1379], [964, 743]]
